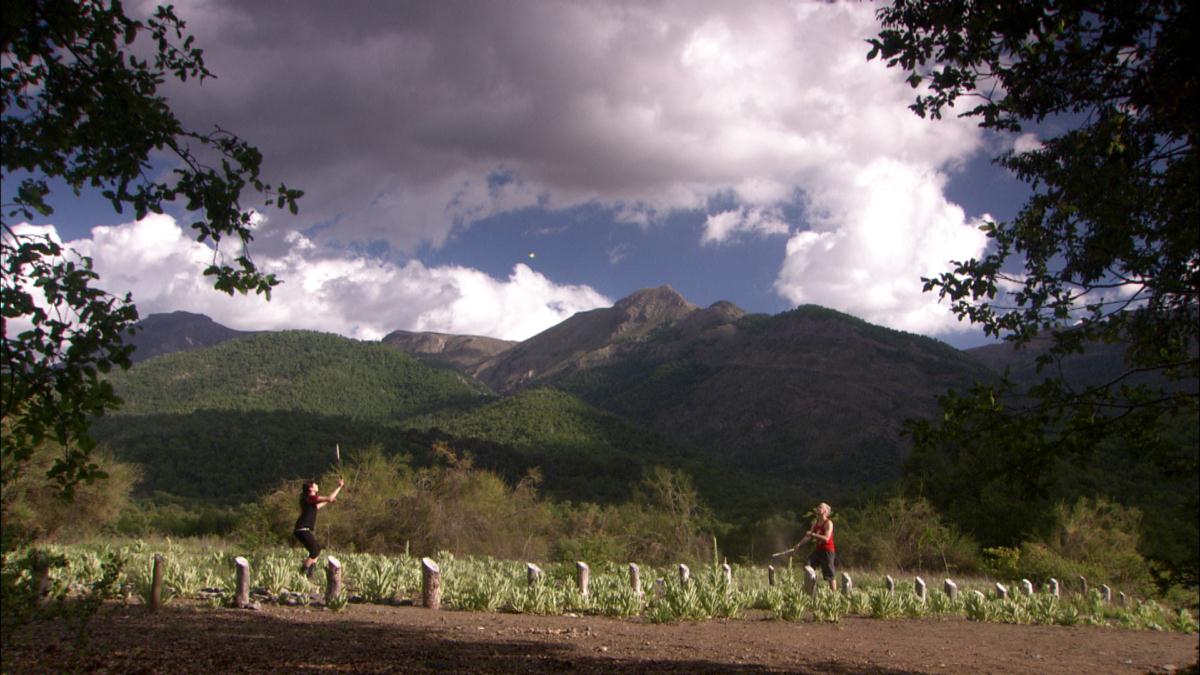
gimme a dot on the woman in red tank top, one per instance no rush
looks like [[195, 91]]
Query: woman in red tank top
[[823, 554]]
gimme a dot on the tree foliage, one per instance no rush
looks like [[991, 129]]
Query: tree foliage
[[1107, 247], [81, 105], [33, 510]]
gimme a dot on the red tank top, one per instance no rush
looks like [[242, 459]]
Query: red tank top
[[824, 545]]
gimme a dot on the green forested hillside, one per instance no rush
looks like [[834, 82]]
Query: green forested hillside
[[764, 412], [810, 400], [584, 453], [545, 419], [229, 422], [293, 371]]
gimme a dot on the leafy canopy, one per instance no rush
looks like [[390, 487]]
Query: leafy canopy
[[1106, 247], [81, 105]]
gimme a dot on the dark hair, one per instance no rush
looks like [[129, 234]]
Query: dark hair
[[304, 492]]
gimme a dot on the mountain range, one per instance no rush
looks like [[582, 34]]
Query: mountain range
[[759, 408]]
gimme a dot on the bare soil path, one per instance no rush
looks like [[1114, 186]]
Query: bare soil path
[[191, 638]]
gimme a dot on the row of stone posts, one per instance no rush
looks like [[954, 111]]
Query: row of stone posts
[[431, 582], [948, 587]]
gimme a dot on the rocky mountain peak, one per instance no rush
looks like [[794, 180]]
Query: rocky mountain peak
[[166, 333], [461, 351], [654, 301], [585, 339], [649, 308]]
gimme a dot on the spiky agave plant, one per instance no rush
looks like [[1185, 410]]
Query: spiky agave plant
[[884, 605], [829, 606], [376, 579], [794, 603], [977, 607]]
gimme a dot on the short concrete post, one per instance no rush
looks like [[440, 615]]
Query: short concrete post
[[1027, 586], [635, 579], [847, 584], [891, 583], [810, 581], [431, 584], [157, 582], [241, 597], [685, 574], [1052, 587], [582, 574], [979, 595], [919, 588], [533, 573], [41, 576], [1122, 599], [728, 572], [1083, 587], [1106, 593], [1001, 591], [333, 579], [950, 588], [770, 575]]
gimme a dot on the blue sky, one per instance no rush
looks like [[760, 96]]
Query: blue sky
[[492, 168]]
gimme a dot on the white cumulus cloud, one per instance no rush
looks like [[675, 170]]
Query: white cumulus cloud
[[161, 266], [891, 228], [409, 122], [722, 227]]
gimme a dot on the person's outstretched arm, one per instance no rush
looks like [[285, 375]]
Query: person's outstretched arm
[[322, 501]]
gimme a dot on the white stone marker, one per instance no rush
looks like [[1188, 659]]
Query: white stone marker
[[333, 579], [1027, 586], [582, 575], [241, 599], [431, 584], [533, 573], [810, 581]]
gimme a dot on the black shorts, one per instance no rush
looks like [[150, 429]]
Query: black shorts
[[823, 560], [309, 540]]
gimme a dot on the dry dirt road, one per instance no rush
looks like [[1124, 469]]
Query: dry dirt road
[[192, 638]]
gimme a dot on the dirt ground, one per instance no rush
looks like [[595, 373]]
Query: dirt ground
[[192, 638]]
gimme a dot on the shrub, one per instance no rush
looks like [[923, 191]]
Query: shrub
[[1095, 539], [904, 534], [1002, 562]]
